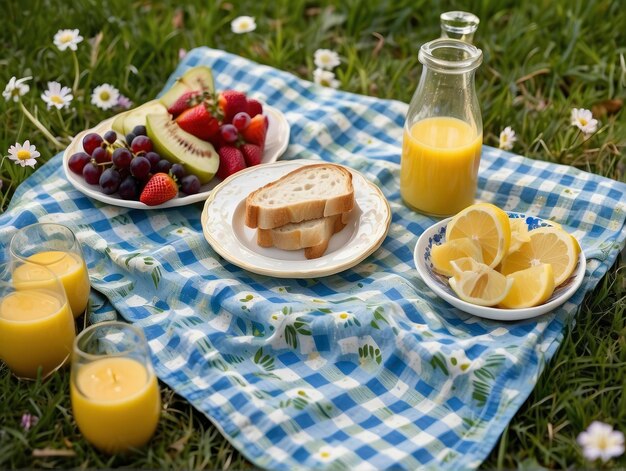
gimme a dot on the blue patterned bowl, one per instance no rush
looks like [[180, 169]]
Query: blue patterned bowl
[[436, 234]]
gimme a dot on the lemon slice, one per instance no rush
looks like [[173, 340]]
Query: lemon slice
[[519, 234], [464, 264], [546, 245], [486, 224], [442, 255], [484, 286], [531, 287]]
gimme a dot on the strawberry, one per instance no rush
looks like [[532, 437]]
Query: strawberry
[[231, 161], [184, 102], [231, 102], [254, 107], [256, 131], [252, 153], [159, 189], [199, 121]]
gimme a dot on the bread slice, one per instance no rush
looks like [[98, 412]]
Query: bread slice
[[313, 235], [310, 192]]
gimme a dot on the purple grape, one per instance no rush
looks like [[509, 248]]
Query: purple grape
[[141, 144], [77, 162], [229, 132], [140, 130], [129, 138], [124, 172], [91, 141], [110, 136], [163, 166], [91, 173], [109, 181], [122, 157], [129, 189], [140, 167], [190, 184], [101, 155], [154, 159], [178, 171]]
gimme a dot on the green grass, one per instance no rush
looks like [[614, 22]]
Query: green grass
[[540, 60]]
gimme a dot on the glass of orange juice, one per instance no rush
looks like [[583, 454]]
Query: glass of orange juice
[[55, 246], [114, 391], [443, 131], [36, 324]]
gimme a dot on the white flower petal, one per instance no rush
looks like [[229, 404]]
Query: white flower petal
[[243, 24], [326, 59]]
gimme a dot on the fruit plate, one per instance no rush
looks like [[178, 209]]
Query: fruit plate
[[224, 228], [275, 144], [436, 234]]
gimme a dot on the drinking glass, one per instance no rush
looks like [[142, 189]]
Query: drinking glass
[[55, 246], [459, 25], [114, 391], [36, 324]]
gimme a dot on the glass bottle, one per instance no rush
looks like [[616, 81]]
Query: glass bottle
[[443, 131], [459, 25]]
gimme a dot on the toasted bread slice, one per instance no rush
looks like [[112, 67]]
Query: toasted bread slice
[[313, 235], [310, 192]]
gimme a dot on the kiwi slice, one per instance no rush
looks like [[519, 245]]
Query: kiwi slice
[[177, 145], [196, 78], [124, 122]]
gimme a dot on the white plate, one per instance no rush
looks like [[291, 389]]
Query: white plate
[[436, 234], [224, 228], [275, 144]]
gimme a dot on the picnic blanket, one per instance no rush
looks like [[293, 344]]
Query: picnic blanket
[[365, 369]]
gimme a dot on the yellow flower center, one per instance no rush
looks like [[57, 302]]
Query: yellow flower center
[[56, 99], [343, 315], [301, 393], [15, 92], [325, 454], [244, 24], [67, 37], [23, 154], [104, 96], [583, 121]]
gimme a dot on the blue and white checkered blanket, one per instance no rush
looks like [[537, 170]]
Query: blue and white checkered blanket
[[363, 369]]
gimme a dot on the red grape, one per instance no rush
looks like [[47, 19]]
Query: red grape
[[140, 167], [109, 181], [77, 162], [101, 155], [91, 173], [141, 144], [241, 120], [229, 132], [122, 157], [91, 141]]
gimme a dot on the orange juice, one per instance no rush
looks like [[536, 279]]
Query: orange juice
[[439, 167], [71, 270], [36, 329], [116, 403]]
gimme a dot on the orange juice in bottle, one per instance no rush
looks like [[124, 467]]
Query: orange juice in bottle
[[443, 131]]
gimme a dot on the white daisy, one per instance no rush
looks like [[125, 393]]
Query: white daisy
[[243, 24], [601, 441], [584, 120], [16, 88], [24, 154], [105, 96], [326, 59], [325, 454], [57, 96], [67, 38], [507, 138], [325, 78]]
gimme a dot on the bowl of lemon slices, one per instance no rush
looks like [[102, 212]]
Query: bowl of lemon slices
[[500, 265]]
